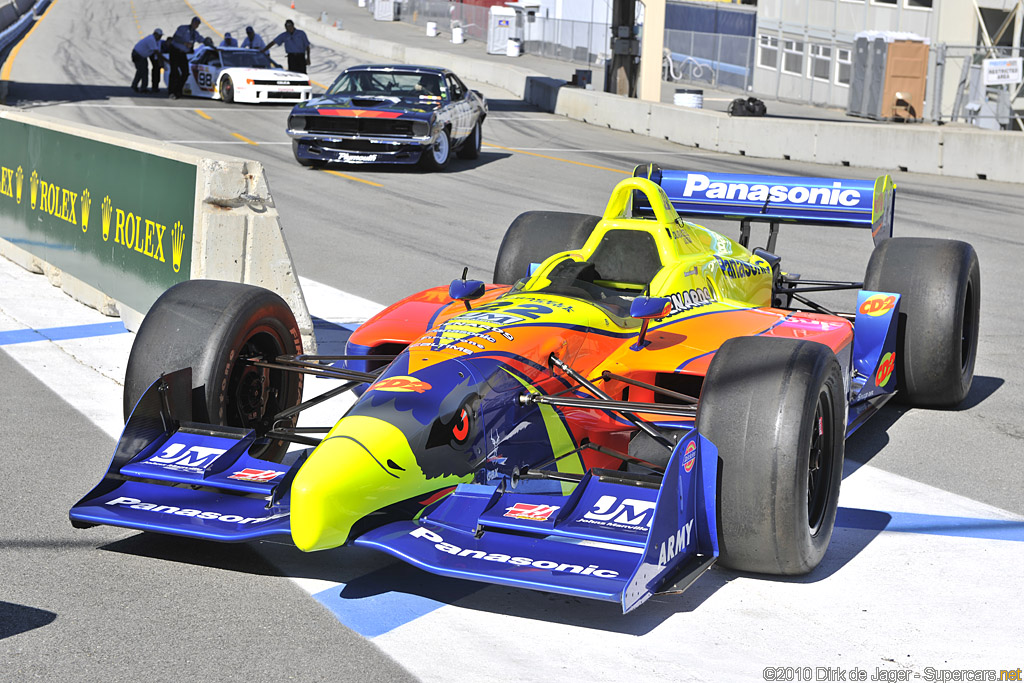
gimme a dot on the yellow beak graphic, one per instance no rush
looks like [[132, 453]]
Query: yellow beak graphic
[[363, 465]]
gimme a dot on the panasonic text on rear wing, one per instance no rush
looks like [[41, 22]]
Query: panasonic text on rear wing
[[778, 199]]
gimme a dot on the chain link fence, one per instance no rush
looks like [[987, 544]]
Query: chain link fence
[[718, 60], [957, 89], [714, 59]]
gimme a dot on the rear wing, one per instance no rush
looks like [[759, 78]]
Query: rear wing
[[832, 202]]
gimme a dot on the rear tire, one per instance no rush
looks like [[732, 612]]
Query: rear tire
[[471, 147], [940, 286], [536, 235], [775, 410], [227, 90], [209, 326]]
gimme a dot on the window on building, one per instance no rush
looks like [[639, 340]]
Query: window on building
[[768, 51], [793, 57], [843, 66], [919, 4], [885, 2], [821, 62]]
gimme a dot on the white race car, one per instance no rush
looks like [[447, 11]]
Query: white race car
[[235, 74]]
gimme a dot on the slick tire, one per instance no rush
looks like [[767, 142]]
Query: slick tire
[[227, 90], [775, 410], [536, 235], [439, 155], [211, 326], [937, 337], [471, 147]]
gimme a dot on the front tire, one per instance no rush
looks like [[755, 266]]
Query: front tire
[[471, 147], [212, 327], [536, 235], [940, 305], [438, 155], [775, 410], [227, 90]]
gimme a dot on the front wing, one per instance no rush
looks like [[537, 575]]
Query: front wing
[[613, 538]]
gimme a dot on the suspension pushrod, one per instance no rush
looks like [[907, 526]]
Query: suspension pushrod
[[622, 410]]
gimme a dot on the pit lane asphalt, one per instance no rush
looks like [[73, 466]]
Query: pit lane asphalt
[[411, 232]]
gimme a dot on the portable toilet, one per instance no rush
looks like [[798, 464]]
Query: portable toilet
[[501, 23]]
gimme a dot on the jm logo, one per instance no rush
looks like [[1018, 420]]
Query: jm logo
[[198, 457], [625, 511]]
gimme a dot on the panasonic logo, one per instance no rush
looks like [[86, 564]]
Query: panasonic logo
[[136, 504], [441, 545], [701, 185]]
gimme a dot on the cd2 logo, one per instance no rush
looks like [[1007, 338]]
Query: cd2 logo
[[621, 512]]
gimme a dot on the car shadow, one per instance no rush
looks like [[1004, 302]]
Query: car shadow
[[869, 440], [15, 618], [487, 156]]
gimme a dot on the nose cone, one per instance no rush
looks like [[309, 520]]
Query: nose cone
[[364, 465]]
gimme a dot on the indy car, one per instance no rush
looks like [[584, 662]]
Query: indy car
[[234, 74], [633, 400], [390, 114]]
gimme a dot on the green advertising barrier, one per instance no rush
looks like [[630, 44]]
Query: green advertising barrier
[[117, 219]]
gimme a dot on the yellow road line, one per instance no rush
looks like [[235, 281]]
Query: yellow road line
[[568, 161], [5, 73], [352, 177], [204, 114], [202, 19], [138, 26], [245, 139]]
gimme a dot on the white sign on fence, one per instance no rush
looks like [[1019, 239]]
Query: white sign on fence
[[1003, 71]]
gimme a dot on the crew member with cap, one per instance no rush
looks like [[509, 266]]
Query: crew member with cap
[[296, 45], [181, 47], [146, 49], [228, 41], [252, 40]]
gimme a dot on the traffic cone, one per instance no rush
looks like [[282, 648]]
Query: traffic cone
[[293, 4]]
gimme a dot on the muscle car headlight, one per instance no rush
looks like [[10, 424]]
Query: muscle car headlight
[[421, 128], [297, 122]]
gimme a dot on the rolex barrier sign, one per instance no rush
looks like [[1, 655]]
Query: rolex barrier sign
[[116, 218]]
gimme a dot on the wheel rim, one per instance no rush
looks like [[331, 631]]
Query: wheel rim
[[441, 148], [226, 93], [820, 463], [254, 393]]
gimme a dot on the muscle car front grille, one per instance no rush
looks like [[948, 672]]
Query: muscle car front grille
[[284, 95], [337, 125]]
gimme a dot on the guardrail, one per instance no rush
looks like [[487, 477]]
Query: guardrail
[[116, 219]]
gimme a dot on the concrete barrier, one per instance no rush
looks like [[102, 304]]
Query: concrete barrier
[[972, 153], [965, 153], [116, 219]]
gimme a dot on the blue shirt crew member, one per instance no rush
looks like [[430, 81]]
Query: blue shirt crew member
[[296, 45], [228, 41], [252, 40], [146, 49], [181, 47]]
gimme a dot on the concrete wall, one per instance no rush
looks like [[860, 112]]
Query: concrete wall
[[233, 230]]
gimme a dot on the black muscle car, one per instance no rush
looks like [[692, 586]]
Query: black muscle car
[[389, 114]]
